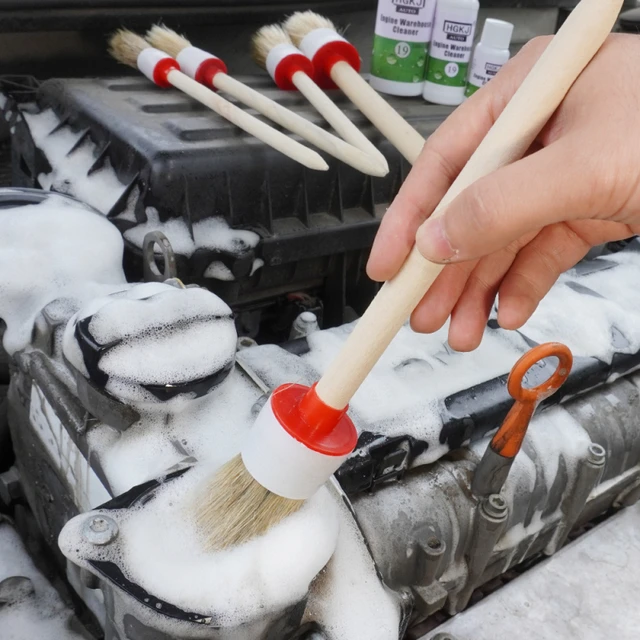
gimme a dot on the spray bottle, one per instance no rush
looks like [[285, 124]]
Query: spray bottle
[[402, 34], [491, 53], [453, 30]]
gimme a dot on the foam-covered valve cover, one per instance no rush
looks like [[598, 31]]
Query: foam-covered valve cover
[[153, 343]]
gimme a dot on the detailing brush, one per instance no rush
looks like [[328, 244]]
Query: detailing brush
[[211, 71], [301, 435], [132, 50], [272, 49], [336, 62]]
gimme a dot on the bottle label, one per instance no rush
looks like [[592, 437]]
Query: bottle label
[[451, 47], [403, 30], [405, 20], [483, 68], [398, 61]]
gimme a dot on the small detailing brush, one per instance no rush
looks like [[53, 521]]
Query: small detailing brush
[[272, 49], [336, 62], [296, 444], [211, 71], [301, 435], [132, 50]]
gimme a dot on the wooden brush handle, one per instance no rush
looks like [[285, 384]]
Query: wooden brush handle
[[245, 121], [542, 91], [385, 118], [334, 115], [295, 123]]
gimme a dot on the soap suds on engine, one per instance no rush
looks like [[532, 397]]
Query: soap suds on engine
[[69, 175], [350, 582], [584, 322], [210, 233], [236, 586], [41, 614], [83, 262], [102, 189]]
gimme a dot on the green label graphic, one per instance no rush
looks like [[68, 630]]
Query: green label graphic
[[471, 89], [447, 73], [397, 60]]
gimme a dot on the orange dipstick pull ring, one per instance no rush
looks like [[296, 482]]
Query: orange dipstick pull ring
[[493, 469]]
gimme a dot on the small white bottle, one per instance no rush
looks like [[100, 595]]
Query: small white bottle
[[491, 53], [450, 51]]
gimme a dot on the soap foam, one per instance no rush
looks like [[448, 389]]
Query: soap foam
[[159, 548], [41, 615], [553, 434], [403, 392], [211, 430], [584, 322], [219, 271], [51, 250], [210, 233], [69, 174], [348, 599]]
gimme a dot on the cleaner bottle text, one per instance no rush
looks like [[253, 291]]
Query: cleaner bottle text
[[490, 55], [450, 51], [400, 46]]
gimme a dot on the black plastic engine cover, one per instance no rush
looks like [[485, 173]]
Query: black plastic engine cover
[[316, 228]]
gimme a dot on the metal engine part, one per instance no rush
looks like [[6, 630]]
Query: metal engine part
[[102, 439]]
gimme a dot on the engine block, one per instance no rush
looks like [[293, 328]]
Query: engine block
[[125, 397]]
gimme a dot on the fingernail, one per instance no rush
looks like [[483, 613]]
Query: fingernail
[[433, 243]]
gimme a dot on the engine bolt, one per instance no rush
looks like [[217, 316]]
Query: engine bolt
[[100, 530]]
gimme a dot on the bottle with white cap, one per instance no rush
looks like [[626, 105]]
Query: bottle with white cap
[[491, 53], [400, 45], [451, 42]]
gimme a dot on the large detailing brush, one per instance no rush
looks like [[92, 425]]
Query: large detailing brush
[[302, 435], [272, 49], [211, 71], [132, 50], [336, 62]]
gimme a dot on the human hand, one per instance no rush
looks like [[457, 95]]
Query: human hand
[[513, 232]]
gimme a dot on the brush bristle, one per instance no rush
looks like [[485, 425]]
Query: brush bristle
[[301, 23], [234, 508], [266, 39], [167, 40], [125, 46]]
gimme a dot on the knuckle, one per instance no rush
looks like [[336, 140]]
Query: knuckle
[[484, 207], [526, 285]]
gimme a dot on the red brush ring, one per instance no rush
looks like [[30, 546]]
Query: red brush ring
[[327, 55], [289, 66], [304, 416], [162, 69], [208, 70]]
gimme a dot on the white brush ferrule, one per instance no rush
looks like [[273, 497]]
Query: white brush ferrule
[[190, 59], [318, 38], [282, 464], [279, 53], [156, 65]]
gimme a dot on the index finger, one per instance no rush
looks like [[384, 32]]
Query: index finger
[[443, 157]]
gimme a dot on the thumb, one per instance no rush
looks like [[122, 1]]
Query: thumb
[[548, 186]]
